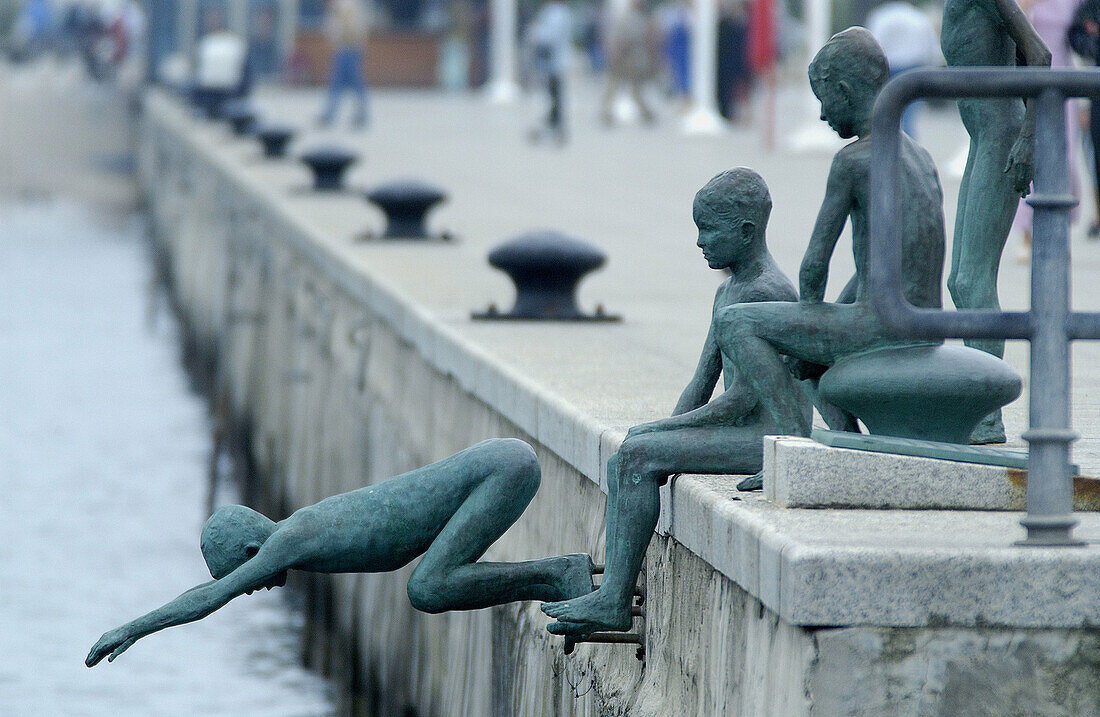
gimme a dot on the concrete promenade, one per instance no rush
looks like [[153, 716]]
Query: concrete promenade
[[352, 360]]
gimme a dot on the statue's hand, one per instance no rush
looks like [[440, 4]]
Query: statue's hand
[[1019, 166], [111, 645]]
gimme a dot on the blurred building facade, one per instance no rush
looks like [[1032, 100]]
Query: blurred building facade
[[286, 37]]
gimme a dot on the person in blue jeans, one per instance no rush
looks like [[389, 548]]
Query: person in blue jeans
[[347, 29]]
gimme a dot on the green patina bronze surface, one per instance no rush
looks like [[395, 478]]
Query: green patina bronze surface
[[723, 435], [989, 33], [449, 512]]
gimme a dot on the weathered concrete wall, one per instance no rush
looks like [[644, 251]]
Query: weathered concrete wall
[[327, 376]]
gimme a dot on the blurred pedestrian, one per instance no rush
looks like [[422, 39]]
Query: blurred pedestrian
[[263, 43], [909, 41], [31, 29], [629, 61], [1051, 19], [733, 76], [590, 24], [346, 26], [676, 24], [552, 38], [1084, 37]]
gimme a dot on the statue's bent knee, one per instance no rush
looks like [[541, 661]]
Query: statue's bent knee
[[426, 594]]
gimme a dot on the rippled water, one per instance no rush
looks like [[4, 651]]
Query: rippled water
[[103, 453]]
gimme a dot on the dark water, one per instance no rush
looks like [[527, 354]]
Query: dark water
[[103, 490]]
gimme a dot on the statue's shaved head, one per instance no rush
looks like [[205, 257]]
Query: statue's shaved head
[[852, 56], [231, 536], [738, 193]]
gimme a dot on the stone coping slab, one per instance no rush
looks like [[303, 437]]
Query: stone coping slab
[[898, 568], [813, 567], [803, 473]]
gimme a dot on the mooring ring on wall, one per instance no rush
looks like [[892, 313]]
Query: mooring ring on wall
[[546, 266]]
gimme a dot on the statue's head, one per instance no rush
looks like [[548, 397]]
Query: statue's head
[[731, 212], [846, 75], [231, 536]]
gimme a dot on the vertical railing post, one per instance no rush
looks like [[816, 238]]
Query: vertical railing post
[[1049, 519], [1049, 325]]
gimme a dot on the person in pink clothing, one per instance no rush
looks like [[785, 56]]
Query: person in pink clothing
[[1051, 19]]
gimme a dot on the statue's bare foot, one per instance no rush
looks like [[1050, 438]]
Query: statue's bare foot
[[753, 482], [585, 615], [990, 430], [576, 578]]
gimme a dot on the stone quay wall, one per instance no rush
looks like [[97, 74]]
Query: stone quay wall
[[335, 381]]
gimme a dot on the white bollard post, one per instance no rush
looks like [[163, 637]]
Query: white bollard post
[[703, 117], [502, 87]]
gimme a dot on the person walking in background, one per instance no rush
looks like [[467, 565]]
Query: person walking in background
[[31, 29], [732, 83], [907, 37], [628, 59], [552, 38], [1051, 19], [346, 26], [676, 23], [1084, 37]]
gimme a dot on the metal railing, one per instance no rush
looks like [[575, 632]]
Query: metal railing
[[1050, 324]]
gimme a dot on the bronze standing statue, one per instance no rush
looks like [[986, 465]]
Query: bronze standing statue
[[982, 33], [450, 512]]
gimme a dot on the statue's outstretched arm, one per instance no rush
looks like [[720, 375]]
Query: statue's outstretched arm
[[831, 218], [195, 604], [701, 386]]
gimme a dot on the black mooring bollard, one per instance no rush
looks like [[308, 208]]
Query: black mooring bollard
[[546, 267], [240, 116], [274, 139], [406, 204], [328, 165]]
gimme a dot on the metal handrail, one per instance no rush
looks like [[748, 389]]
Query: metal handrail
[[1050, 325]]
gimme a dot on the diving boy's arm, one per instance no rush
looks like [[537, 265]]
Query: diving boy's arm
[[831, 218], [195, 604]]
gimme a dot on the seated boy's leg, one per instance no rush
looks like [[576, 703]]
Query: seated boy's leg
[[449, 576], [635, 475], [756, 334]]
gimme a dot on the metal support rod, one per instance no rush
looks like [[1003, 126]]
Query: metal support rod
[[1049, 519]]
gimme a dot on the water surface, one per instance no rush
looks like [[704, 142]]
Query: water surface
[[103, 491]]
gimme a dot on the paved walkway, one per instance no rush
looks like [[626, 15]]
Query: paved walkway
[[628, 190]]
